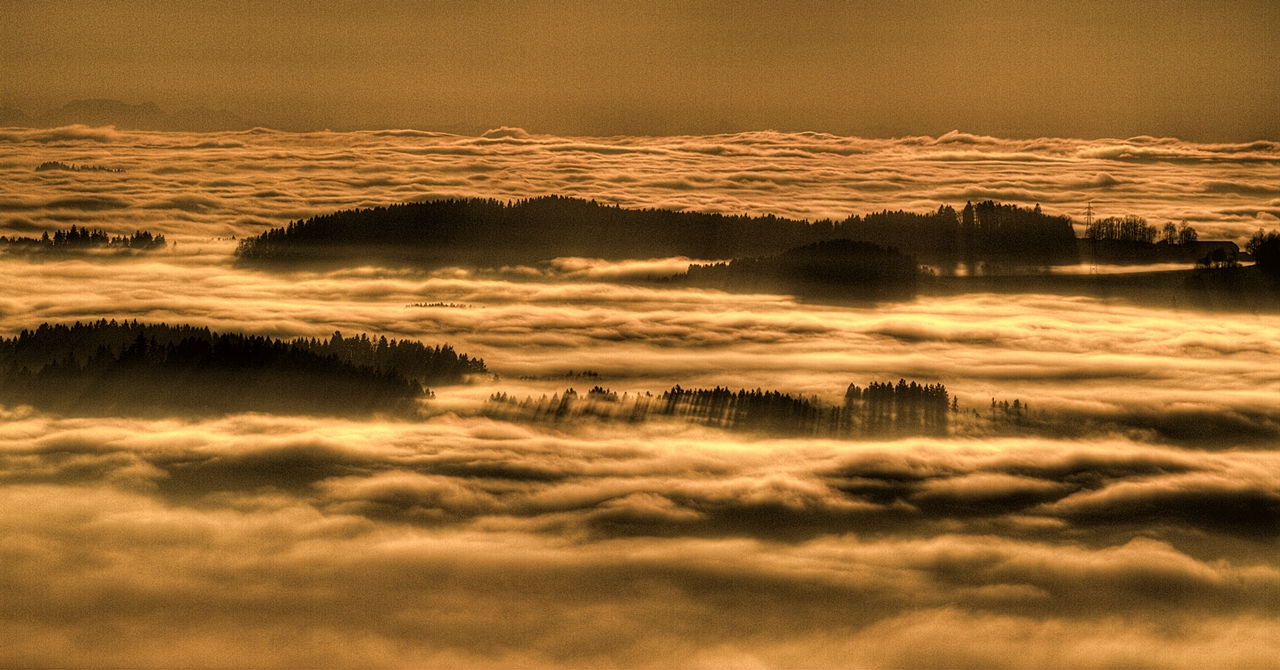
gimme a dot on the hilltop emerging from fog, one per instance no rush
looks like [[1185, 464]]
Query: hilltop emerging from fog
[[109, 367], [493, 233]]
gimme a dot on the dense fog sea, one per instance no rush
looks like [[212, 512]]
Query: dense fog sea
[[1129, 517], [220, 184]]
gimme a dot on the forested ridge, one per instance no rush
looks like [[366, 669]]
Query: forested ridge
[[492, 232], [155, 368]]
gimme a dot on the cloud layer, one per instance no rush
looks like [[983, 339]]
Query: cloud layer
[[1132, 519], [238, 183], [277, 541], [1182, 373]]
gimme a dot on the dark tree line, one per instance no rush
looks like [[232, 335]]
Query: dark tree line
[[1007, 234], [831, 269], [84, 238], [1132, 228], [491, 232], [72, 167], [411, 358], [880, 410], [131, 367], [907, 408], [753, 411], [1125, 229], [981, 235], [1131, 240]]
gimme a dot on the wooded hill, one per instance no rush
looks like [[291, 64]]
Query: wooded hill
[[110, 367], [492, 233]]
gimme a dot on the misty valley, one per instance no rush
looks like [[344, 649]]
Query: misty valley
[[392, 398]]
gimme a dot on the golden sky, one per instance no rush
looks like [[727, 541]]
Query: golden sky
[[1199, 71]]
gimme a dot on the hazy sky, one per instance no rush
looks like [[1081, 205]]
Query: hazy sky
[[1200, 71]]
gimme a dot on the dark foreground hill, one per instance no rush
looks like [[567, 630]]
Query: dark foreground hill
[[490, 233], [131, 368]]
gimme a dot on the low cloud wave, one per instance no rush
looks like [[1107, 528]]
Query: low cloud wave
[[470, 542]]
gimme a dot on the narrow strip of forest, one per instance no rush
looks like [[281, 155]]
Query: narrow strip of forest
[[881, 410], [80, 240]]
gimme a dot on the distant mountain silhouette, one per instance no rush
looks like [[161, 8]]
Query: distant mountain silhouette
[[15, 118], [146, 116]]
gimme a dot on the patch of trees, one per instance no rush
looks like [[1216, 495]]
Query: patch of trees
[[992, 232], [983, 235], [907, 408], [833, 269], [1265, 249], [75, 239], [1124, 229], [933, 238], [1131, 240], [128, 367], [72, 167], [1179, 234], [879, 410], [491, 232], [431, 365]]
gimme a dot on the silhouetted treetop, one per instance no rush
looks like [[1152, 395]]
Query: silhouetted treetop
[[409, 358], [1265, 249], [75, 239], [1127, 229], [881, 409], [48, 166], [1130, 240], [434, 365]]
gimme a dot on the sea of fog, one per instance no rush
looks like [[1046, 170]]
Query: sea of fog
[[1132, 520], [238, 183]]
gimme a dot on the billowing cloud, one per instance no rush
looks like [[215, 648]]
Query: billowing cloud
[[470, 542]]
